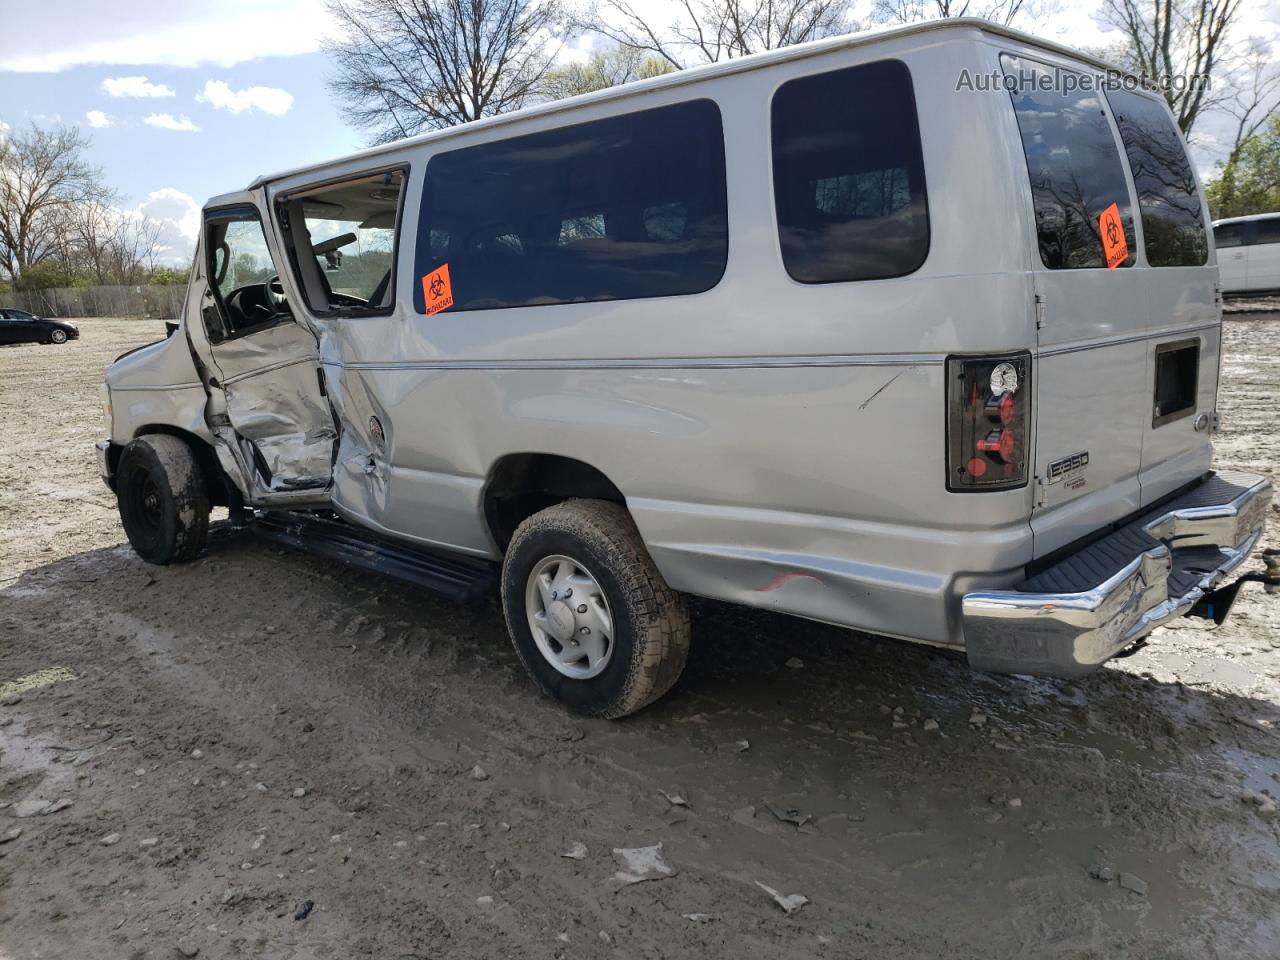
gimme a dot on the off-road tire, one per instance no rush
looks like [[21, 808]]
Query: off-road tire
[[651, 622], [163, 499]]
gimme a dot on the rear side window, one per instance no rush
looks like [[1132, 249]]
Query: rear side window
[[1172, 218], [1229, 235], [1073, 162], [627, 207], [848, 175], [1266, 231]]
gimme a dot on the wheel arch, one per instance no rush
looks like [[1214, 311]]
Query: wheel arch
[[521, 484], [221, 491]]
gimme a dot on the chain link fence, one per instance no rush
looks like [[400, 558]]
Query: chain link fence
[[157, 302]]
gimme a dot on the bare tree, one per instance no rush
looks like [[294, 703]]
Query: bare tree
[[608, 69], [998, 11], [1257, 84], [43, 176], [709, 31], [405, 66], [1256, 105], [1177, 45]]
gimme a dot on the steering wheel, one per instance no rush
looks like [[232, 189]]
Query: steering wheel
[[274, 291], [258, 302]]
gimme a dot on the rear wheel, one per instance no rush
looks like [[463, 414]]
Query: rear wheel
[[590, 616], [163, 499]]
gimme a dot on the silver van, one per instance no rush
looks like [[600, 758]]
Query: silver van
[[916, 332]]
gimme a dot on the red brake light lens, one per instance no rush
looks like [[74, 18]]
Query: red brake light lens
[[988, 417]]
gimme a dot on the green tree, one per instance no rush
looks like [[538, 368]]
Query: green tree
[[169, 277], [49, 273], [607, 69], [1251, 182]]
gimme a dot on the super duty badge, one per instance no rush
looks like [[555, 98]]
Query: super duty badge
[[1070, 468]]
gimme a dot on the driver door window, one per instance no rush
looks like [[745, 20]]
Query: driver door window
[[242, 276]]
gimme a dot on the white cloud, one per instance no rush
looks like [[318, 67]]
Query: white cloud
[[272, 100], [156, 32], [135, 87], [97, 119], [178, 216], [167, 121]]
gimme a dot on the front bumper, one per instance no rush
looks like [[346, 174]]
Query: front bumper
[[104, 462], [1072, 617]]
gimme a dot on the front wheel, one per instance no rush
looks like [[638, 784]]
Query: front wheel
[[163, 499], [58, 336], [588, 612]]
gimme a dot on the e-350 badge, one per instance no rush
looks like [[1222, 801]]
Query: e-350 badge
[[1070, 468]]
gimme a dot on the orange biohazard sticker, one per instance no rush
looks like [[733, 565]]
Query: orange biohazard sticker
[[1114, 245], [437, 291]]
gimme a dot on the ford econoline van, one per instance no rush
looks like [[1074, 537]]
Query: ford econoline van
[[916, 332], [1249, 253]]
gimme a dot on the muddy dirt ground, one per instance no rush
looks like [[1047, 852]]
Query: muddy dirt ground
[[261, 731]]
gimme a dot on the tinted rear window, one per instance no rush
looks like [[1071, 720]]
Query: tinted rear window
[[626, 207], [1073, 162], [1172, 218], [848, 175]]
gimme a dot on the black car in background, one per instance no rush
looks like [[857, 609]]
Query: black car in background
[[18, 326]]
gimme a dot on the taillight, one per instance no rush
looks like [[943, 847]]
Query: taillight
[[988, 415]]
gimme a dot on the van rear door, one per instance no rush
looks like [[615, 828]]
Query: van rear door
[[1184, 314], [1090, 374]]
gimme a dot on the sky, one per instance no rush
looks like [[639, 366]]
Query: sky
[[186, 99]]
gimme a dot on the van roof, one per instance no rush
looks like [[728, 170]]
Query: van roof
[[1250, 217], [754, 61]]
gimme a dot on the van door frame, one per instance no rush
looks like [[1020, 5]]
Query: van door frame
[[203, 310]]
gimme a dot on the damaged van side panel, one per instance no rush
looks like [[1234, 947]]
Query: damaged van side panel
[[265, 397]]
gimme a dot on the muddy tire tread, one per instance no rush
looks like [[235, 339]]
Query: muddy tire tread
[[658, 614], [186, 484]]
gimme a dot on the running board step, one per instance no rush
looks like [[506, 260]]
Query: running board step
[[455, 576]]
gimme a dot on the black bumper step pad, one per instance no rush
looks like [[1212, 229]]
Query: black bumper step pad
[[1104, 558]]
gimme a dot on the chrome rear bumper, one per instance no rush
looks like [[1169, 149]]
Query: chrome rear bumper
[[1180, 552]]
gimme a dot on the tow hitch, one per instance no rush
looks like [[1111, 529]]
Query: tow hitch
[[1216, 606]]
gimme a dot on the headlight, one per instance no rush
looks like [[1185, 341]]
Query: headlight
[[104, 392]]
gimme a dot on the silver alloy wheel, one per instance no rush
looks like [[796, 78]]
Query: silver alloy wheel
[[569, 617], [58, 336]]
